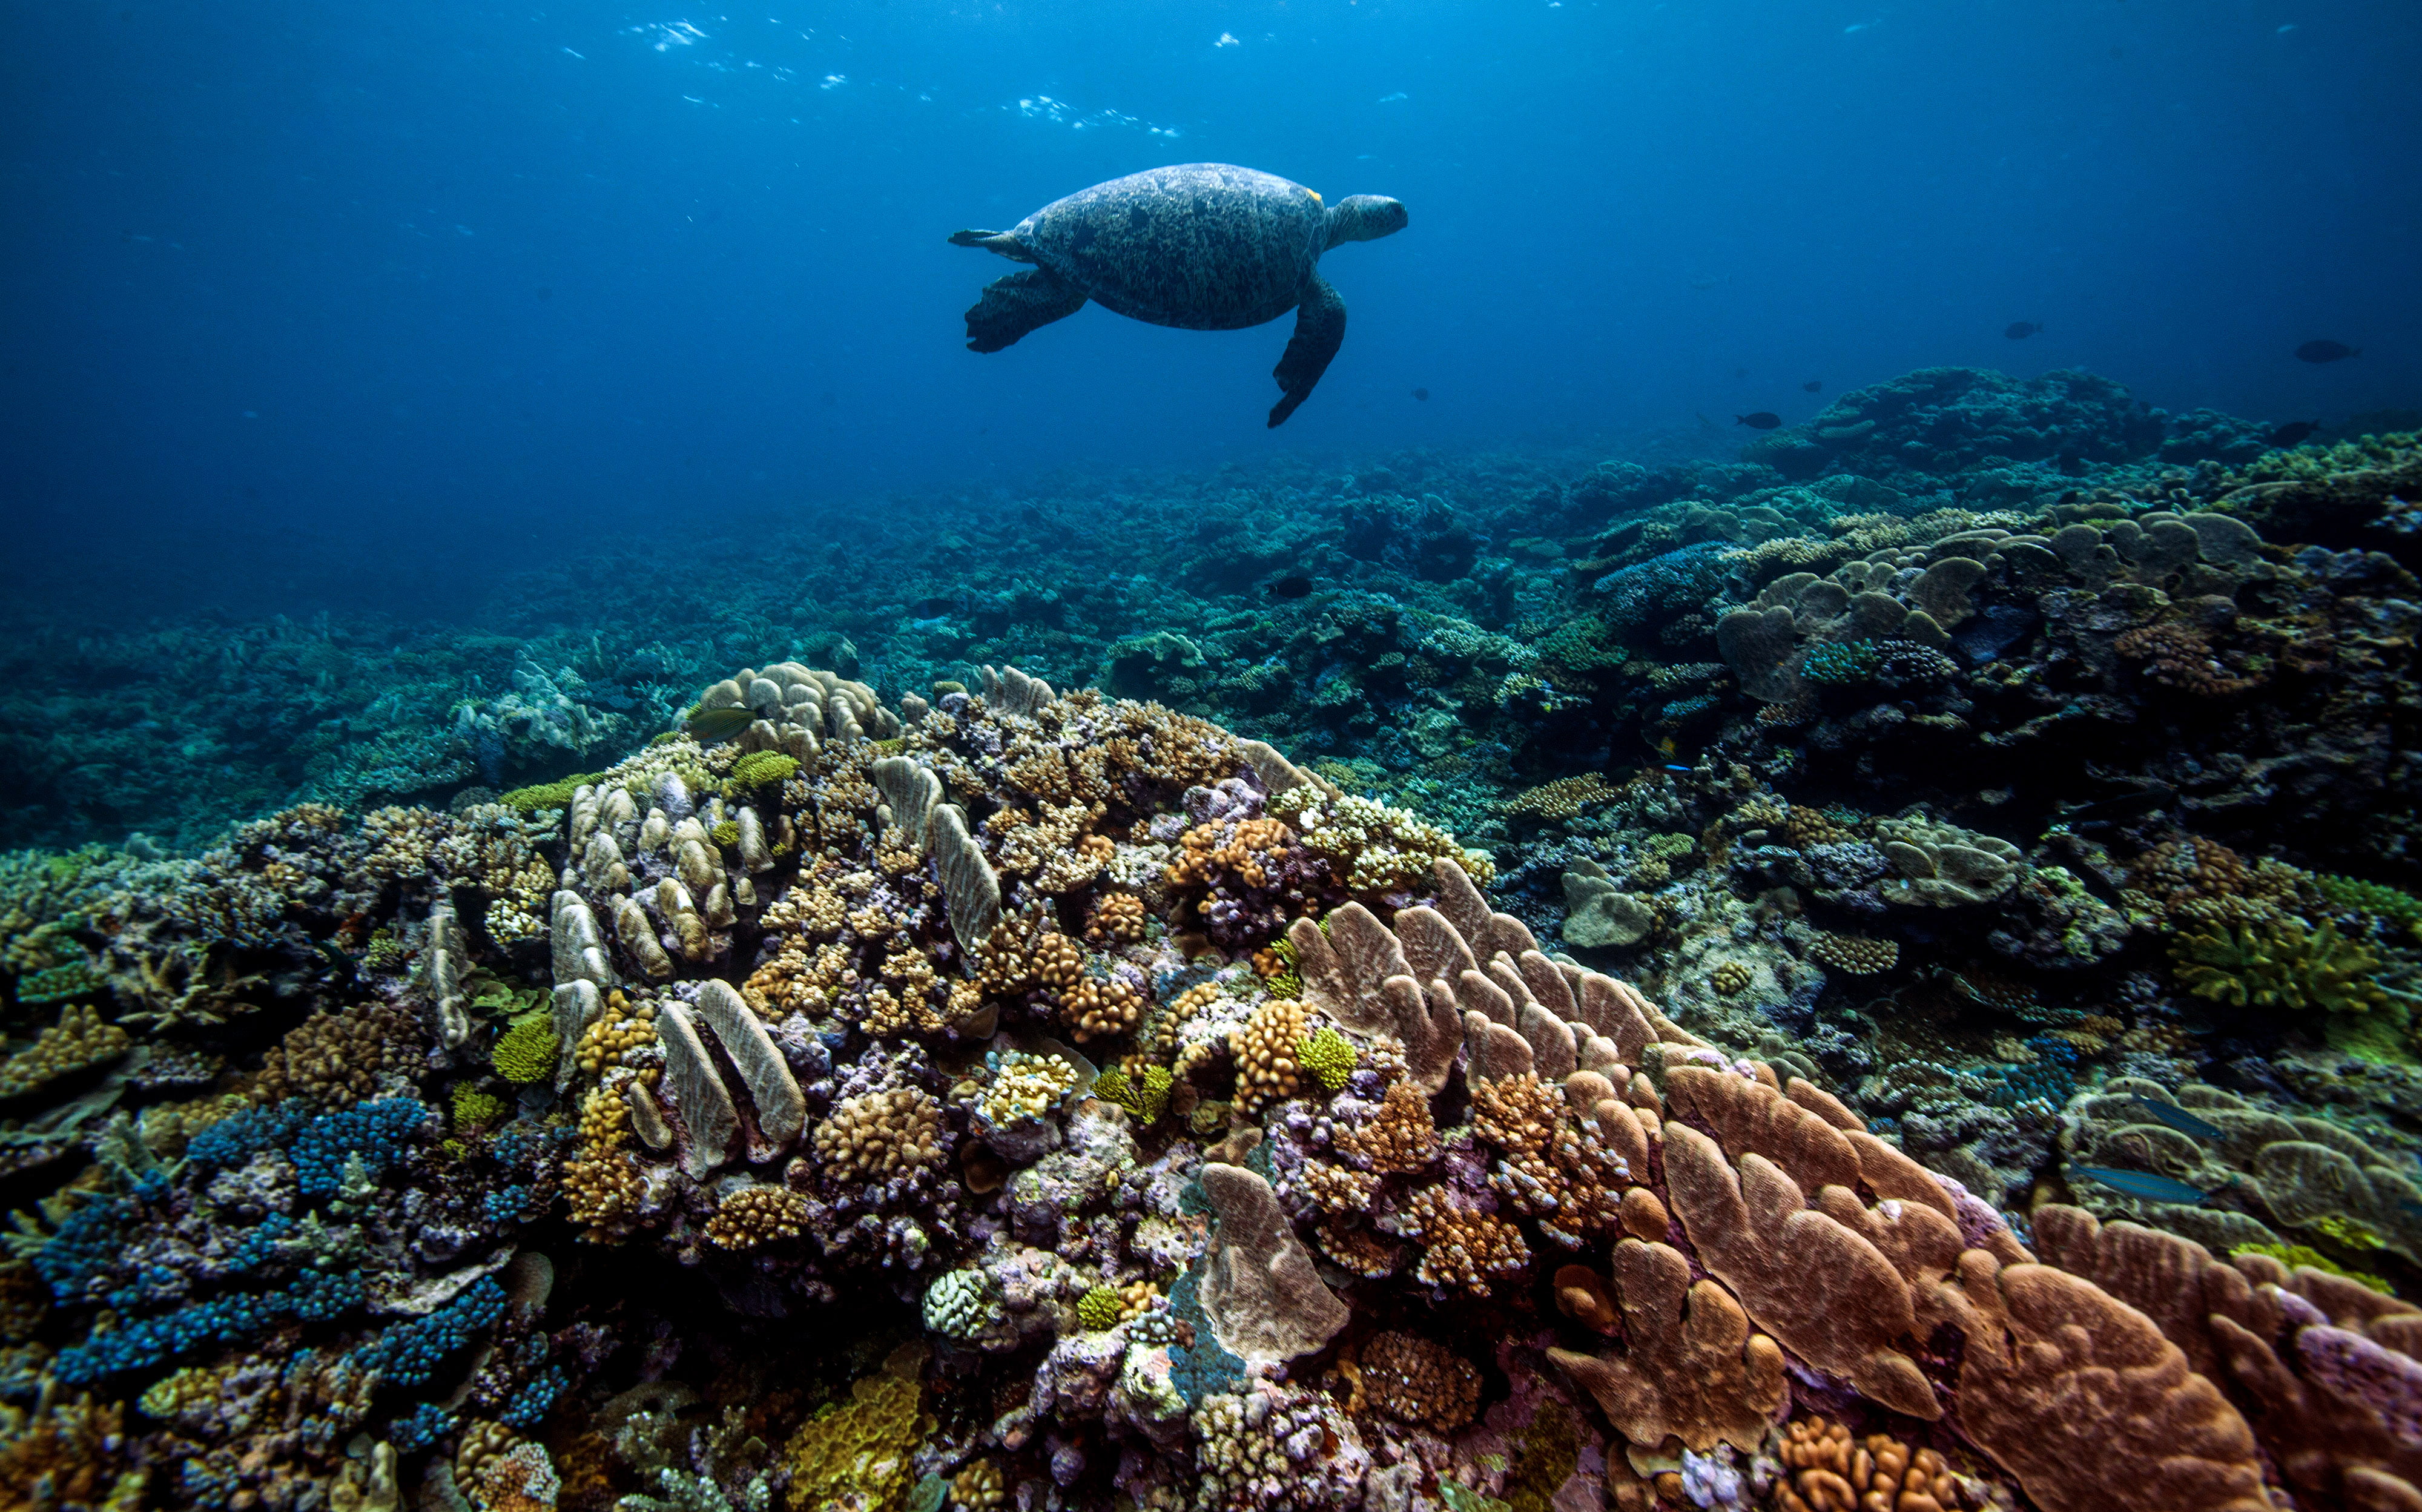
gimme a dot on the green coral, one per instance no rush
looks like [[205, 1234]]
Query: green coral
[[2284, 963], [474, 1108], [859, 1453], [1329, 1056], [1839, 663], [529, 800], [726, 834], [525, 1052], [2375, 898], [1287, 981], [1462, 1498], [1543, 1461], [1668, 847], [759, 768], [1144, 1097], [56, 984], [2346, 1232], [2308, 464], [1585, 644], [2383, 1036], [1100, 1309], [385, 952], [43, 895], [2292, 1256]]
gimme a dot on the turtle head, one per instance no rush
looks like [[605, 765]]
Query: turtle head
[[1365, 219]]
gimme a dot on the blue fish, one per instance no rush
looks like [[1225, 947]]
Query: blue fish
[[2137, 1183], [1671, 768], [2179, 1118]]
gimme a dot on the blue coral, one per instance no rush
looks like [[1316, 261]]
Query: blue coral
[[1664, 587], [84, 1246], [374, 1133], [512, 1205], [420, 1427], [1841, 662], [2050, 1077], [238, 1317], [408, 1354], [1203, 1368], [236, 1138], [528, 1405]]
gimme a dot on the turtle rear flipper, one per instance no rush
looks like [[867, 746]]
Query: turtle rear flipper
[[1017, 303], [1319, 331], [1004, 243]]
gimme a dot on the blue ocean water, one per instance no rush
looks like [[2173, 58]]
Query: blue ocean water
[[319, 304]]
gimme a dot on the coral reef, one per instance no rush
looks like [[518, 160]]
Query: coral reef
[[1877, 975]]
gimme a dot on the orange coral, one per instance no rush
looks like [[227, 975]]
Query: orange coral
[[2182, 656], [1400, 1137], [1829, 1473]]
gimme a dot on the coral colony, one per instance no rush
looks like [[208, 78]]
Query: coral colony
[[1881, 975]]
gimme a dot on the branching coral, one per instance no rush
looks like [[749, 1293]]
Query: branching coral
[[2282, 964]]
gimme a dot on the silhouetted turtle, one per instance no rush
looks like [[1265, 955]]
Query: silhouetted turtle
[[1204, 247]]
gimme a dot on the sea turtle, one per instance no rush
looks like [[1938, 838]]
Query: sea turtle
[[1204, 247]]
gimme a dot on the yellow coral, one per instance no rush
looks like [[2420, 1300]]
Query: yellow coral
[[859, 1452]]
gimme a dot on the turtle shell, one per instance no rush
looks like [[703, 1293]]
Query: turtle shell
[[1205, 246]]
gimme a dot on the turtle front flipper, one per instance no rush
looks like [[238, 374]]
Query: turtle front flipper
[[1319, 331], [1015, 305]]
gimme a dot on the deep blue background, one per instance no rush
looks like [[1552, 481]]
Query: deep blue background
[[372, 302]]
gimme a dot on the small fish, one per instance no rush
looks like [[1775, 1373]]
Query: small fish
[[1293, 586], [1813, 386], [2292, 433], [2327, 352], [1671, 768], [338, 960], [2138, 1184], [2178, 1118], [1762, 420], [711, 725], [2021, 330], [1421, 394]]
